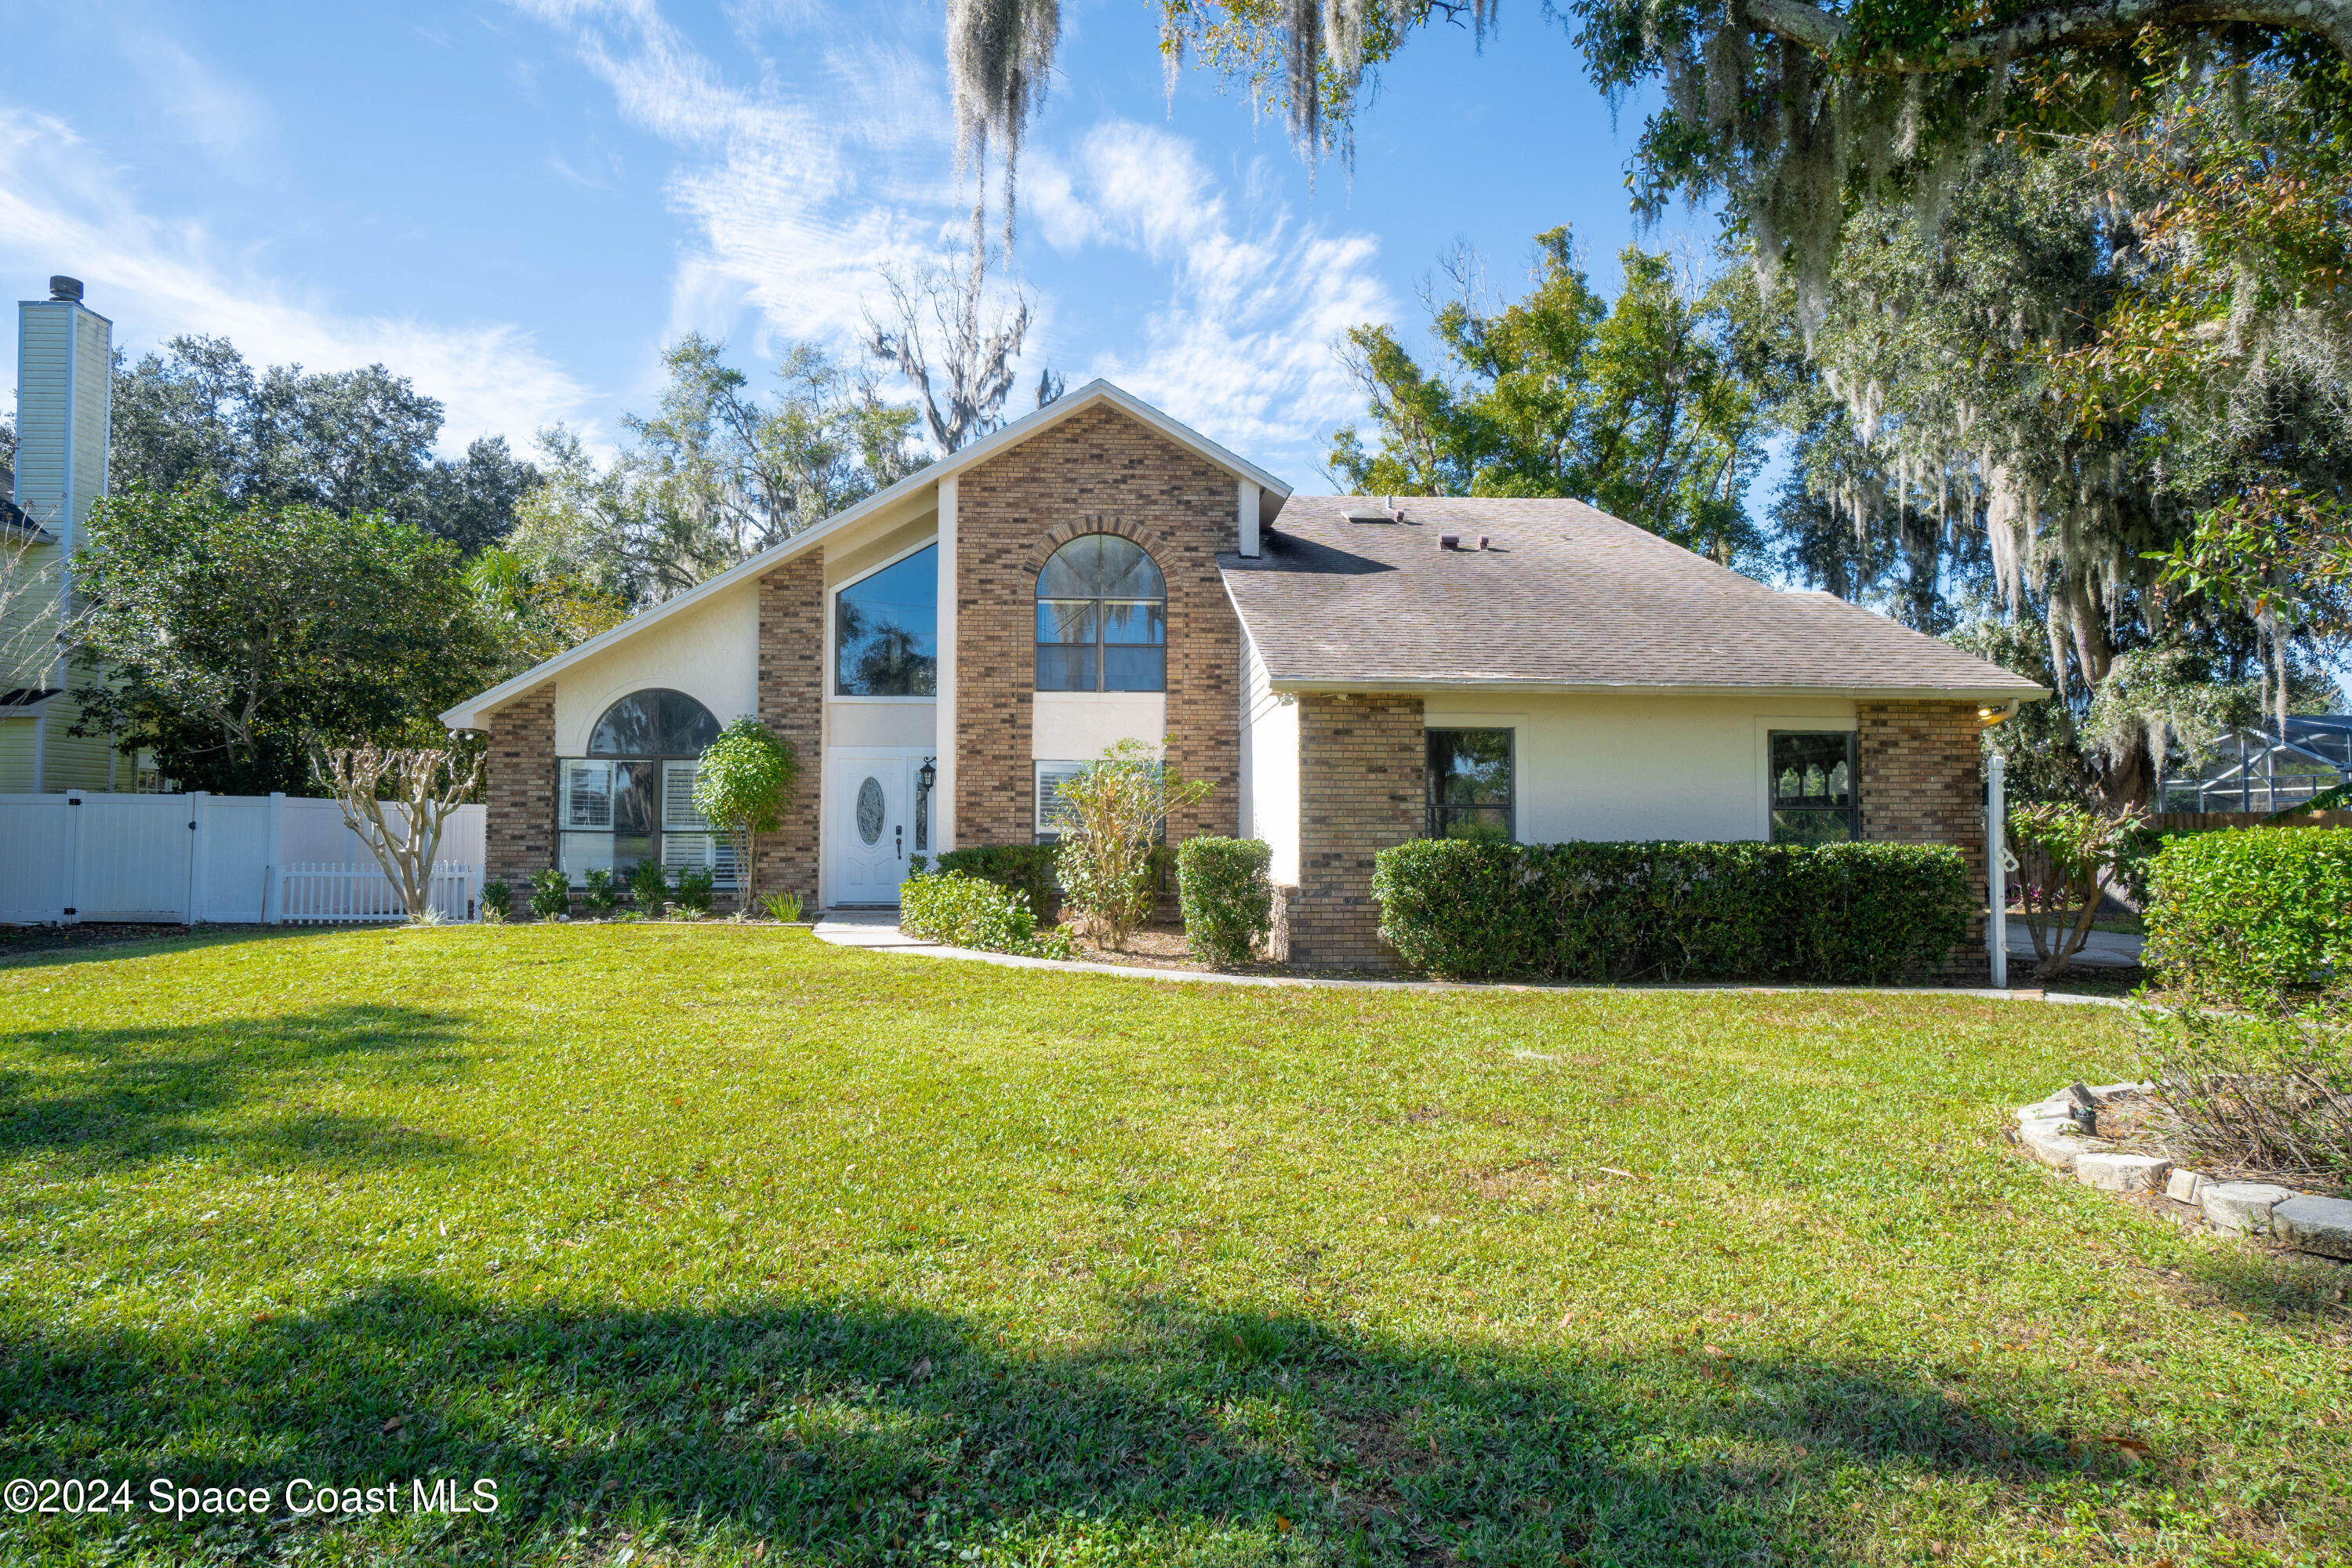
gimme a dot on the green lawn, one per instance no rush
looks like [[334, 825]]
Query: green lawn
[[712, 1245]]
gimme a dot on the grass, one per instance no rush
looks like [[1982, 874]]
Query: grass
[[713, 1245]]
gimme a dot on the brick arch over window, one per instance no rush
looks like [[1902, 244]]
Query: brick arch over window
[[1097, 472]]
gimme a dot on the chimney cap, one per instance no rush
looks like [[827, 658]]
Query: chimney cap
[[63, 287]]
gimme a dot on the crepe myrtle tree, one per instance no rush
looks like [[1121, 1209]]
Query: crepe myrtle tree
[[743, 784], [398, 799]]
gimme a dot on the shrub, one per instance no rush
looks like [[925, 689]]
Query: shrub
[[1116, 807], [2068, 860], [1671, 911], [551, 895], [785, 906], [965, 911], [649, 886], [2247, 915], [1227, 901], [497, 902], [601, 894], [695, 887], [742, 783], [1024, 869], [2268, 1091]]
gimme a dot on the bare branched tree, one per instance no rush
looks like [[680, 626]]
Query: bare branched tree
[[398, 799], [957, 353]]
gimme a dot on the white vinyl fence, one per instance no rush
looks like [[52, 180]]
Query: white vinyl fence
[[233, 859]]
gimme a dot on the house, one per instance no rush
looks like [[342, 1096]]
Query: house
[[64, 359], [1348, 672]]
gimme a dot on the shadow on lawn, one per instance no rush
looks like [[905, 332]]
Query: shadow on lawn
[[112, 1095], [862, 1432]]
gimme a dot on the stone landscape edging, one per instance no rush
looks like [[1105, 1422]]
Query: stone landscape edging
[[2051, 1133]]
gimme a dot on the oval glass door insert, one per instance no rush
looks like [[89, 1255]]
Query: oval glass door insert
[[869, 810]]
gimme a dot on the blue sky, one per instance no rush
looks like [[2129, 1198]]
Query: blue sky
[[516, 204]]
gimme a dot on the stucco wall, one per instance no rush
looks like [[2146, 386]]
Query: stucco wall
[[1640, 767], [1268, 805], [711, 652], [1079, 726]]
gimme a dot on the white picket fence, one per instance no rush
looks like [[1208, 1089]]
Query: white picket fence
[[353, 895], [73, 857]]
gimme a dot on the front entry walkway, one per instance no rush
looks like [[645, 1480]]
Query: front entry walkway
[[864, 928]]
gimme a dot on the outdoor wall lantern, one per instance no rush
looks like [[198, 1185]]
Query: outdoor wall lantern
[[927, 774]]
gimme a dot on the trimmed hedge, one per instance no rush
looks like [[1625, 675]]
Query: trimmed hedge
[[2249, 913], [964, 910], [1853, 912], [1227, 901], [1024, 869]]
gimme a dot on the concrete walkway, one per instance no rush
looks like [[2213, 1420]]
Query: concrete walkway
[[879, 930], [2101, 949]]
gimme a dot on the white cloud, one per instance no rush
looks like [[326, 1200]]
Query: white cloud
[[205, 107], [63, 208], [1243, 347], [801, 187]]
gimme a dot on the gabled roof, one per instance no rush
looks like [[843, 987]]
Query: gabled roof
[[468, 714], [1567, 598]]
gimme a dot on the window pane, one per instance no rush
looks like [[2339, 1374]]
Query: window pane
[[703, 851], [678, 798], [636, 797], [581, 853], [1051, 812], [1065, 620], [587, 790], [1470, 767], [1491, 822], [1129, 668], [1813, 768], [653, 723], [1798, 824], [1135, 621], [886, 630], [1065, 668]]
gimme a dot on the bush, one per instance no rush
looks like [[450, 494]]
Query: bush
[[602, 895], [2246, 915], [785, 906], [1227, 901], [1024, 868], [695, 887], [551, 895], [742, 783], [497, 902], [1110, 864], [649, 886], [1673, 912], [965, 911], [2266, 1092]]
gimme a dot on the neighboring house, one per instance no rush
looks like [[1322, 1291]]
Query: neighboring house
[[1348, 674], [65, 362]]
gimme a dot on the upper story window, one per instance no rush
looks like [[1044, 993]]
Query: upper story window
[[886, 630], [1102, 618], [1815, 800]]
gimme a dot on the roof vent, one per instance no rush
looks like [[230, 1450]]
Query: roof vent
[[1449, 542], [1369, 514], [65, 288]]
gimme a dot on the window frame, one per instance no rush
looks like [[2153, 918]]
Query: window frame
[[1851, 812], [1041, 831], [673, 820], [833, 629], [1430, 805], [1100, 605]]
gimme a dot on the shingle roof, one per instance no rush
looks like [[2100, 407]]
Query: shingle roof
[[1565, 598]]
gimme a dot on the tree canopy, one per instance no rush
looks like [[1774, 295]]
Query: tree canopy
[[348, 441], [234, 639], [1653, 409]]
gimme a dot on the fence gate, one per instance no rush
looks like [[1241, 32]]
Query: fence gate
[[134, 858]]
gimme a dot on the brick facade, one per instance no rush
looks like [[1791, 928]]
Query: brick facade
[[1921, 783], [518, 783], [792, 705], [1098, 472], [1362, 761]]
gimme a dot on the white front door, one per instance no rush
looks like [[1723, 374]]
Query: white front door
[[873, 826]]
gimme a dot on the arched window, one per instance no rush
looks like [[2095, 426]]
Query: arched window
[[631, 798], [1102, 618]]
